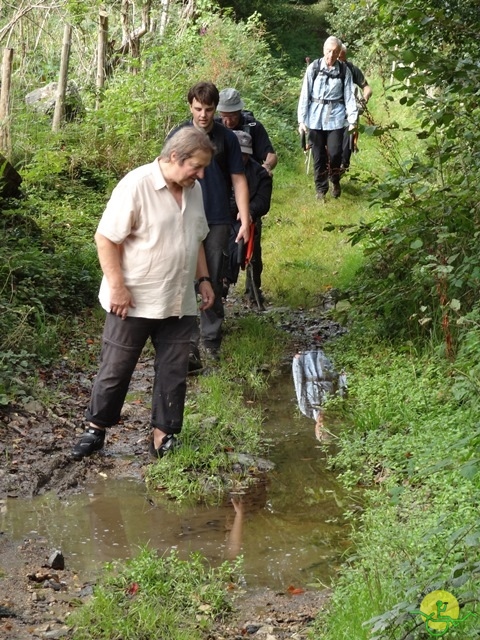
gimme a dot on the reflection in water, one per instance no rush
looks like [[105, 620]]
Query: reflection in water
[[315, 378], [289, 530], [245, 505], [234, 546]]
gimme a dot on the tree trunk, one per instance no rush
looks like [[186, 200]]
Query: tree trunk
[[164, 17], [131, 36], [5, 141], [102, 54], [189, 9], [59, 113]]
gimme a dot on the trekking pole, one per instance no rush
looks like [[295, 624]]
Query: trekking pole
[[244, 259], [307, 150]]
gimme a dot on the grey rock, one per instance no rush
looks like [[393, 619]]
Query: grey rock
[[247, 461], [57, 561], [252, 627], [42, 100]]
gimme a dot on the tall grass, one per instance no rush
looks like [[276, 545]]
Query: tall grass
[[414, 447], [155, 597]]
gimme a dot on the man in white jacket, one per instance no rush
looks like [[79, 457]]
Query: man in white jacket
[[327, 99]]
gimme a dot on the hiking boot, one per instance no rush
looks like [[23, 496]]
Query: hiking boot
[[336, 190], [91, 441], [212, 354], [168, 444], [194, 363], [225, 287]]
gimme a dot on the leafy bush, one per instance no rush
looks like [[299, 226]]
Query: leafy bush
[[42, 277], [422, 269]]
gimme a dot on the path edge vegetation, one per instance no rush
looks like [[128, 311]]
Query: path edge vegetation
[[399, 249]]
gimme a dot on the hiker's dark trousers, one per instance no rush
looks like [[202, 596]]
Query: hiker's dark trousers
[[123, 342], [348, 147], [211, 320], [327, 157]]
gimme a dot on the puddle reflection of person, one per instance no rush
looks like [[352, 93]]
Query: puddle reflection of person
[[235, 529], [314, 378], [245, 503]]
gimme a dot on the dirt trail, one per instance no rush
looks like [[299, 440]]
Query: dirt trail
[[35, 600]]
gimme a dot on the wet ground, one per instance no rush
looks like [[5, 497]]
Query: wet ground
[[36, 598]]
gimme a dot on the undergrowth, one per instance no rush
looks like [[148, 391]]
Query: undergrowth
[[219, 425], [414, 448], [152, 596]]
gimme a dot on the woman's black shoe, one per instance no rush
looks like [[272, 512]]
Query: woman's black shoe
[[169, 442]]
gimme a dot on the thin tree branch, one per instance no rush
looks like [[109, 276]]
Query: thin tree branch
[[22, 12]]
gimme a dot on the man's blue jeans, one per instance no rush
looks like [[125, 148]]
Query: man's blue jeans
[[123, 342]]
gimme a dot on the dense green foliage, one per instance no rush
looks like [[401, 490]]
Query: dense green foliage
[[412, 445], [422, 272]]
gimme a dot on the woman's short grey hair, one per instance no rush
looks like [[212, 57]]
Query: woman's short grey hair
[[186, 142]]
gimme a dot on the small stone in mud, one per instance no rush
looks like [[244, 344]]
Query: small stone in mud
[[252, 628], [53, 584]]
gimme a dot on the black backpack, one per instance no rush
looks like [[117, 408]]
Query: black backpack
[[248, 121], [317, 70]]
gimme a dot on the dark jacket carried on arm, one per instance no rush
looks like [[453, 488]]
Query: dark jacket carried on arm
[[260, 190]]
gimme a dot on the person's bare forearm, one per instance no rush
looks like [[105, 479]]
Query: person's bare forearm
[[205, 286], [240, 188], [202, 269], [270, 162], [109, 256]]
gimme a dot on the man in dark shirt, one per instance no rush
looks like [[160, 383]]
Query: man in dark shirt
[[260, 190], [224, 172], [363, 88], [234, 116]]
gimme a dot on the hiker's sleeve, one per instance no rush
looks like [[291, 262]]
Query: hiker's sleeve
[[262, 143], [351, 111], [303, 100], [360, 80]]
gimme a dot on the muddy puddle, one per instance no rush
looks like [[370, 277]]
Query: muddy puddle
[[289, 530]]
